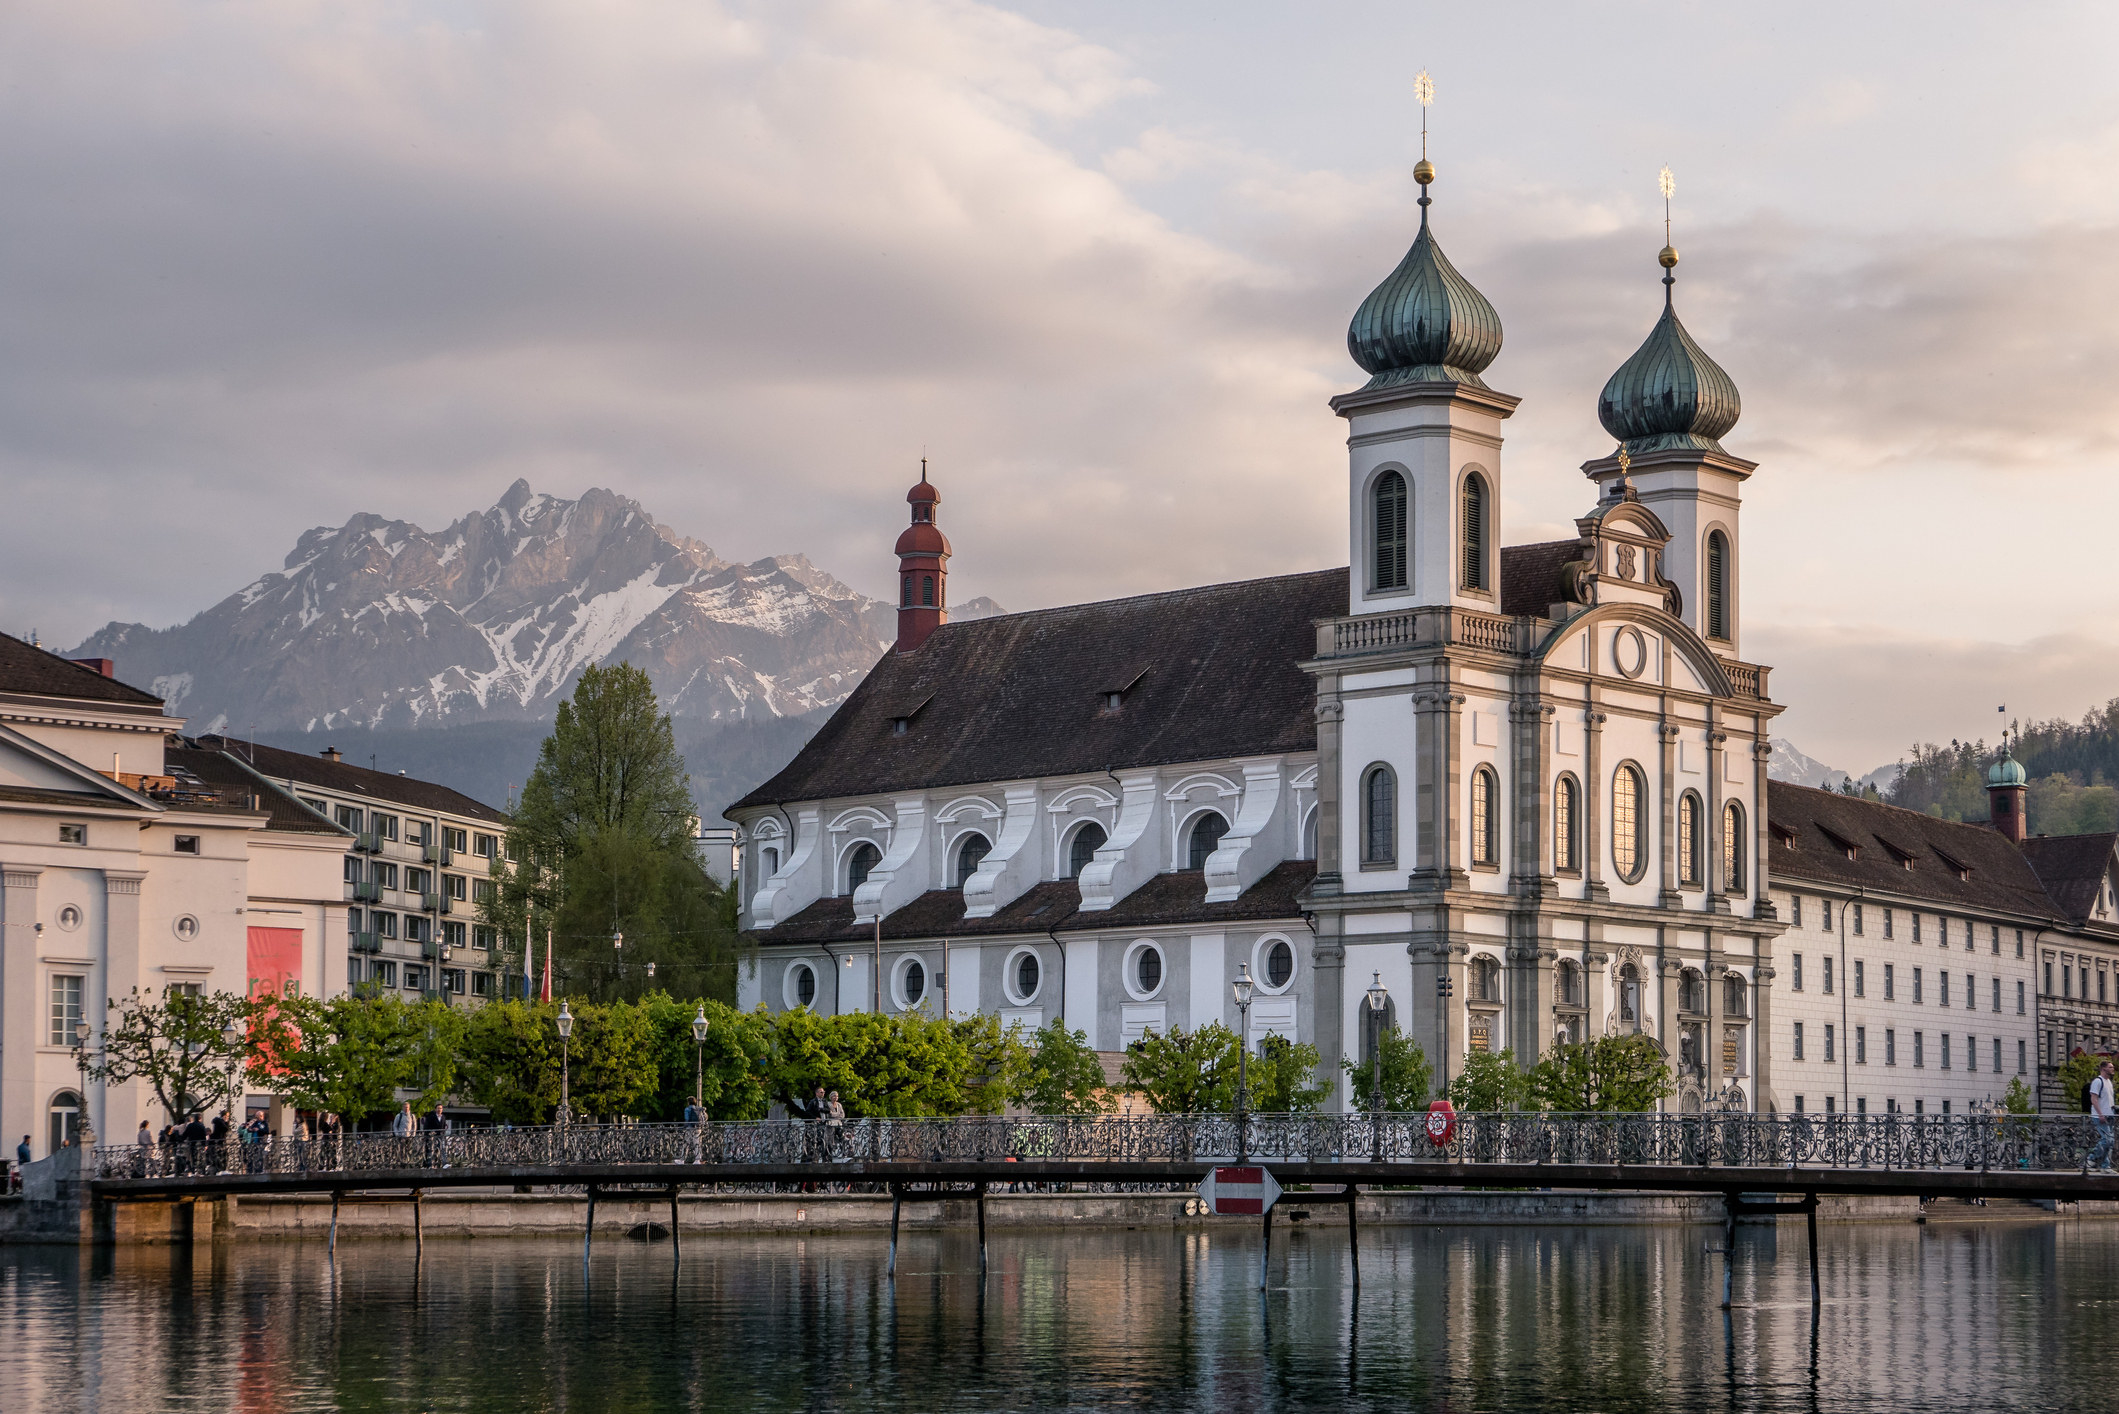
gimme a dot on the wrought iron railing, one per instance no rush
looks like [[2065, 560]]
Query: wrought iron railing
[[1886, 1142]]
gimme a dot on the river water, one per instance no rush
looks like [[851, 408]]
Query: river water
[[1937, 1317]]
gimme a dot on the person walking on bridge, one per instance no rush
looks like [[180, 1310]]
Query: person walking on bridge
[[406, 1125], [2101, 1117]]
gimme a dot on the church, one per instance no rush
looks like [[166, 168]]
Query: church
[[1522, 787]]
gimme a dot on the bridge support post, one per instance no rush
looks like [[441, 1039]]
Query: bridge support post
[[1353, 1232], [419, 1227], [1810, 1217], [588, 1230], [676, 1242], [897, 1203], [334, 1222], [982, 1228], [1729, 1252], [1265, 1249]]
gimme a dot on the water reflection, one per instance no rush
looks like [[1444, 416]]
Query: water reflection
[[1940, 1318]]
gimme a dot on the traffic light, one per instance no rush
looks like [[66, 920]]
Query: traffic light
[[1444, 987]]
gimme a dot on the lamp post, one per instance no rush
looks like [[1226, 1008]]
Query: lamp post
[[1444, 990], [1379, 998], [84, 1127], [699, 1068], [1242, 988], [232, 1035], [566, 1029]]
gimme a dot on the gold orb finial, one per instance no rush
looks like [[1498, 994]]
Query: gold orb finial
[[1424, 172], [1668, 258]]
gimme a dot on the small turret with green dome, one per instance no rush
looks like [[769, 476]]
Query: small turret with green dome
[[2007, 771]]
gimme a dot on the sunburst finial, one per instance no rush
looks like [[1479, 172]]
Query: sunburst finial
[[1424, 170], [1667, 184]]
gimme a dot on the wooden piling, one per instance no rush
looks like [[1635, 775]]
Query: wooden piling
[[1810, 1216], [676, 1242], [334, 1222], [588, 1231], [982, 1227], [419, 1226], [1353, 1232], [897, 1201]]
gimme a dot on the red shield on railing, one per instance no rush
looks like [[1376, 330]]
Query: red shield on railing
[[1441, 1122]]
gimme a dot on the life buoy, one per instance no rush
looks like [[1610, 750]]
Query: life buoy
[[1441, 1122]]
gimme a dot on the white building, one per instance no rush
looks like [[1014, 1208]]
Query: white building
[[1522, 785]]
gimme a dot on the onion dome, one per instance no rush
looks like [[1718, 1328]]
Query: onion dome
[[2005, 772], [923, 536], [1669, 394], [1425, 323]]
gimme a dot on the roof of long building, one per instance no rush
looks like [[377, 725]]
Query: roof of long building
[[227, 775], [383, 787], [2072, 868], [38, 672]]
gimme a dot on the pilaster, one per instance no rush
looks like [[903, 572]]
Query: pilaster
[[1328, 1006], [1594, 787], [1331, 714], [18, 1005]]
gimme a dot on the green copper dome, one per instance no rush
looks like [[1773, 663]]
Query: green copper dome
[[1669, 394], [2005, 772], [1425, 323]]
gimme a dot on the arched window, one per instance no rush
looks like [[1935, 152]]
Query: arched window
[[905, 594], [927, 591], [968, 854], [1692, 992], [1389, 514], [1475, 519], [1717, 585], [1309, 835], [64, 1120], [1485, 980], [1087, 841], [1733, 848], [1206, 838], [1485, 834], [1629, 822], [860, 864], [1379, 816], [1630, 997], [1566, 854], [1689, 840], [1567, 984], [1735, 996]]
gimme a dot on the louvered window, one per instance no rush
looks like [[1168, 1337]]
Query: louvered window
[[1689, 840], [1474, 531], [1717, 585], [1390, 515], [1379, 836], [927, 591], [1483, 832], [1563, 825]]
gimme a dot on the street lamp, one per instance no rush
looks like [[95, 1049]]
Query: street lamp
[[84, 1127], [699, 1070], [566, 1029], [232, 1034], [1242, 988], [1379, 998], [1444, 990]]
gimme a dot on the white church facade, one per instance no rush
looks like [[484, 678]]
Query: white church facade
[[1523, 785]]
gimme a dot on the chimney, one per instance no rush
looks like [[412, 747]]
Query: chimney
[[923, 568], [331, 754], [2007, 792], [104, 666]]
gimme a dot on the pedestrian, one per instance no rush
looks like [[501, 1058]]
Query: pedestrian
[[437, 1137], [2101, 1117], [835, 1124], [219, 1138], [331, 1132], [21, 1158], [819, 1112], [195, 1136], [407, 1123], [143, 1149]]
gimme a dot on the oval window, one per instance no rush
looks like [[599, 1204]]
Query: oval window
[[915, 983], [1149, 969], [805, 985], [1280, 964], [1026, 976]]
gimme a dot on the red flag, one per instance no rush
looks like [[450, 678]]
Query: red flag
[[547, 992]]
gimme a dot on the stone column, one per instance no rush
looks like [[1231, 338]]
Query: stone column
[[1762, 1034], [1667, 969], [1761, 754], [1716, 875], [19, 1000], [1331, 857], [1328, 1005], [1593, 788], [1530, 858], [1711, 1060], [124, 968]]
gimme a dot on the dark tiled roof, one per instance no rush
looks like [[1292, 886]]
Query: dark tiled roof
[[223, 772], [37, 673], [1053, 907], [1019, 695], [1824, 823], [402, 791], [2072, 868], [68, 799], [1530, 575]]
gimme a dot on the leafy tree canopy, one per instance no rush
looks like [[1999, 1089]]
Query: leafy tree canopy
[[1406, 1074], [1184, 1072], [1606, 1074], [1061, 1075], [352, 1054], [1490, 1082], [193, 1052]]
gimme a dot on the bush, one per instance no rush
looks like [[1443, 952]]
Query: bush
[[1061, 1075], [1490, 1082], [1282, 1077], [1184, 1072], [1406, 1074], [1624, 1074]]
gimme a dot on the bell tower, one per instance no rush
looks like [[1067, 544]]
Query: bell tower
[[923, 568]]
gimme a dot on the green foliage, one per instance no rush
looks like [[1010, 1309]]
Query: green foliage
[[611, 1060], [510, 1061], [2070, 766], [737, 1044], [1604, 1075], [355, 1053], [601, 846], [181, 1047], [1283, 1077], [2078, 1072], [1061, 1075], [894, 1066], [1181, 1072], [1406, 1074], [1490, 1082], [2016, 1100]]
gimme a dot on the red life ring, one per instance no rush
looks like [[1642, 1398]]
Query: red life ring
[[1441, 1122]]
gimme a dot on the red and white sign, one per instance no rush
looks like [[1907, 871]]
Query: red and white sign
[[1441, 1123], [1240, 1192]]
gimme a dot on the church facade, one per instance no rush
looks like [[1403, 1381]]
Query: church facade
[[1521, 786]]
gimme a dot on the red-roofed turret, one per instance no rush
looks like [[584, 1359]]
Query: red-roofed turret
[[923, 568]]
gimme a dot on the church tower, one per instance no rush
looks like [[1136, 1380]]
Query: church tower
[[1668, 406], [923, 568], [1424, 433]]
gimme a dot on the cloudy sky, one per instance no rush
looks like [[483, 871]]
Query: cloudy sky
[[267, 263]]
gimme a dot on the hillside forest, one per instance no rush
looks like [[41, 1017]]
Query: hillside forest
[[2072, 768]]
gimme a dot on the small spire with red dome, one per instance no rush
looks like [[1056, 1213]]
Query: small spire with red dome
[[923, 568]]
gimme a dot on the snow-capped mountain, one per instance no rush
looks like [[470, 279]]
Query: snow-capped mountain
[[379, 624]]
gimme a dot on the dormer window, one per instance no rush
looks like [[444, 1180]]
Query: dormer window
[[901, 716], [1905, 860], [1845, 846], [1956, 866], [1785, 835], [1113, 697]]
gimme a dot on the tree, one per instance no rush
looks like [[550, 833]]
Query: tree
[[601, 849], [1181, 1072], [1062, 1075], [2016, 1100], [1283, 1077], [1490, 1082], [2075, 1076], [510, 1061], [612, 1060], [896, 1066], [193, 1051], [351, 1055], [736, 1048], [1406, 1075], [1605, 1075]]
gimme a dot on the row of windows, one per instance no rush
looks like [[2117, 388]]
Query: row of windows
[[417, 977], [2068, 975], [910, 982], [1860, 984], [1629, 826], [1861, 1105], [1969, 1053], [1201, 841], [418, 832], [1390, 531], [1854, 917], [384, 875]]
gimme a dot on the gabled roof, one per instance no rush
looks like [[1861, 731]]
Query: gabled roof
[[1901, 852], [1054, 907], [35, 672], [1021, 695], [229, 777], [380, 786], [2073, 869]]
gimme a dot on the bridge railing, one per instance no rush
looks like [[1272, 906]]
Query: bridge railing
[[1894, 1141]]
